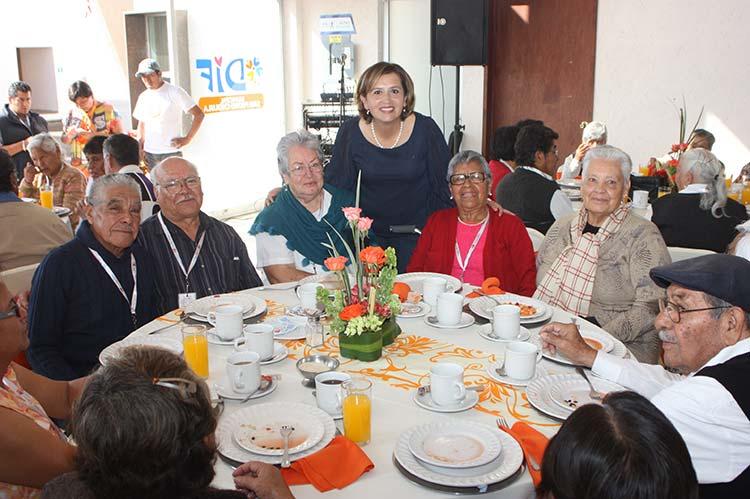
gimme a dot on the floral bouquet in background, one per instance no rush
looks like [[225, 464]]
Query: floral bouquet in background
[[363, 312]]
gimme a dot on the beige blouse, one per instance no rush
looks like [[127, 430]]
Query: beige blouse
[[625, 299]]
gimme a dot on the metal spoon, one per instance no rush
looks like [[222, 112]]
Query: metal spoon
[[285, 432], [180, 318], [432, 319], [593, 393]]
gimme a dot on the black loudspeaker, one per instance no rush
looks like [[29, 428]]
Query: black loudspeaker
[[458, 33]]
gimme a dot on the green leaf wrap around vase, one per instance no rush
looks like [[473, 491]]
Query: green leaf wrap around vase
[[391, 330], [366, 347]]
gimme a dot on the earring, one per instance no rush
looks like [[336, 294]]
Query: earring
[[368, 112]]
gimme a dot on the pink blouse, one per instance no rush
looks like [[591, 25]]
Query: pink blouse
[[465, 235]]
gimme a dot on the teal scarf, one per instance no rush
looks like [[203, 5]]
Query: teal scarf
[[304, 234]]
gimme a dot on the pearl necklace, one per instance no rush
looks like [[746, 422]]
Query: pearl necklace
[[398, 137]]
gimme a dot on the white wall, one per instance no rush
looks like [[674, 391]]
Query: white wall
[[651, 53]]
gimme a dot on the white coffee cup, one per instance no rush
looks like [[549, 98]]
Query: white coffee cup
[[227, 321], [307, 294], [449, 309], [640, 199], [257, 338], [328, 393], [447, 383], [431, 288], [243, 372], [506, 321], [521, 359]]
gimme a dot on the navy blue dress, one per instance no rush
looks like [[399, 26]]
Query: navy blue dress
[[400, 186]]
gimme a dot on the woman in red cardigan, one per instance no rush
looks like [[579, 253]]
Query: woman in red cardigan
[[472, 242]]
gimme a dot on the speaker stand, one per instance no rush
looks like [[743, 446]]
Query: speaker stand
[[457, 135]]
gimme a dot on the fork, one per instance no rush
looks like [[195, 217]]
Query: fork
[[503, 425], [285, 431], [593, 393]]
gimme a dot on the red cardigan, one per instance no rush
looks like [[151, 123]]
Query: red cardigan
[[498, 170], [508, 254]]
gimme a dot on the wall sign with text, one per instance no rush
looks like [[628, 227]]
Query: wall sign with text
[[227, 81]]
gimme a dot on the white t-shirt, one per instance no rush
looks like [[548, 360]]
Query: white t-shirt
[[159, 110], [272, 250]]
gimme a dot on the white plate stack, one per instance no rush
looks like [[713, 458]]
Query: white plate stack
[[253, 433], [457, 456]]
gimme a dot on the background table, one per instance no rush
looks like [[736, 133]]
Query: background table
[[404, 366]]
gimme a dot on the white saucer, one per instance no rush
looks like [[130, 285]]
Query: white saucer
[[298, 311], [215, 339], [228, 393], [425, 401], [409, 310], [466, 321], [507, 380], [485, 331]]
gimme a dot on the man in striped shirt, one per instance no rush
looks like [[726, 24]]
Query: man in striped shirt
[[194, 255]]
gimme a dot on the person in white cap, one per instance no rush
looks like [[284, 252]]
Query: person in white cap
[[594, 134], [158, 113]]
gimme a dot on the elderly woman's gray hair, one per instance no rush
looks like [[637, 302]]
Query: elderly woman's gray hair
[[609, 153], [596, 130], [45, 142], [101, 184], [465, 157], [706, 169], [301, 138]]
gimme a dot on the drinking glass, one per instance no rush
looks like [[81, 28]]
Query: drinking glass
[[745, 199], [357, 409], [195, 344], [663, 191], [45, 196]]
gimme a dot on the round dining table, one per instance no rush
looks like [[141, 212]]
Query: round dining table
[[396, 376]]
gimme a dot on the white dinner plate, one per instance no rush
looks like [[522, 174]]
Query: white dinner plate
[[540, 392], [483, 305], [266, 387], [229, 448], [409, 310], [329, 280], [455, 444], [608, 343], [61, 211], [414, 280], [256, 428], [466, 321], [485, 331], [250, 304], [425, 401], [497, 470], [113, 350]]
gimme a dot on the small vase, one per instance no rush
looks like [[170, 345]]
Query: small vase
[[390, 330], [366, 347]]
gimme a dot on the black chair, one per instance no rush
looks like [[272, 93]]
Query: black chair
[[650, 184]]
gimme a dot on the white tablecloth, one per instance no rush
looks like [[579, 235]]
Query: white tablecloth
[[393, 408]]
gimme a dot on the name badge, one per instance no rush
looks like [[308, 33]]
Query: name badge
[[185, 299]]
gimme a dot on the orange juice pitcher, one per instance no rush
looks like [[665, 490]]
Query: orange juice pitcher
[[357, 409]]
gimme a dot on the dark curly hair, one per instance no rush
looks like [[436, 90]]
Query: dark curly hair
[[503, 143], [139, 439], [623, 449], [7, 172]]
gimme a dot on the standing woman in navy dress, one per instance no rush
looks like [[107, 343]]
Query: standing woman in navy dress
[[402, 155]]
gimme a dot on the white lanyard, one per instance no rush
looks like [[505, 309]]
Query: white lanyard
[[133, 301], [464, 263], [173, 247]]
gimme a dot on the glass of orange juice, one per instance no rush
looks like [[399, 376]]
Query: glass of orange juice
[[745, 199], [195, 344], [45, 196], [643, 170], [357, 409]]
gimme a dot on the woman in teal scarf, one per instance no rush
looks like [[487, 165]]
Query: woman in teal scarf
[[290, 233]]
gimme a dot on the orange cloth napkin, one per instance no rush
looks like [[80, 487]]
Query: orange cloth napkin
[[533, 444], [337, 465]]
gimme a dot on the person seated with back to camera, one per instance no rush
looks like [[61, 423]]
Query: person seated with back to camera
[[503, 160], [634, 453], [291, 232], [472, 241], [700, 215], [164, 446]]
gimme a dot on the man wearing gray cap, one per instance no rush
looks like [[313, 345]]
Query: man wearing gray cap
[[704, 326], [158, 112]]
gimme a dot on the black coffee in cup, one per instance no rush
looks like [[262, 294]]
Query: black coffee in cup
[[332, 381]]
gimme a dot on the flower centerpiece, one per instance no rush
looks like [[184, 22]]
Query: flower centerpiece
[[363, 312]]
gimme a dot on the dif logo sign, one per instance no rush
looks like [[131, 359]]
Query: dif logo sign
[[230, 76]]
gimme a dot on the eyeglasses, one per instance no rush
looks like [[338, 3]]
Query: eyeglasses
[[186, 387], [461, 178], [298, 169], [674, 311], [175, 186], [15, 311]]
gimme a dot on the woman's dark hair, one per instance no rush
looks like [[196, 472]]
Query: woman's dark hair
[[531, 139], [503, 143], [79, 89], [7, 172], [623, 449], [94, 145], [140, 439], [371, 76]]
